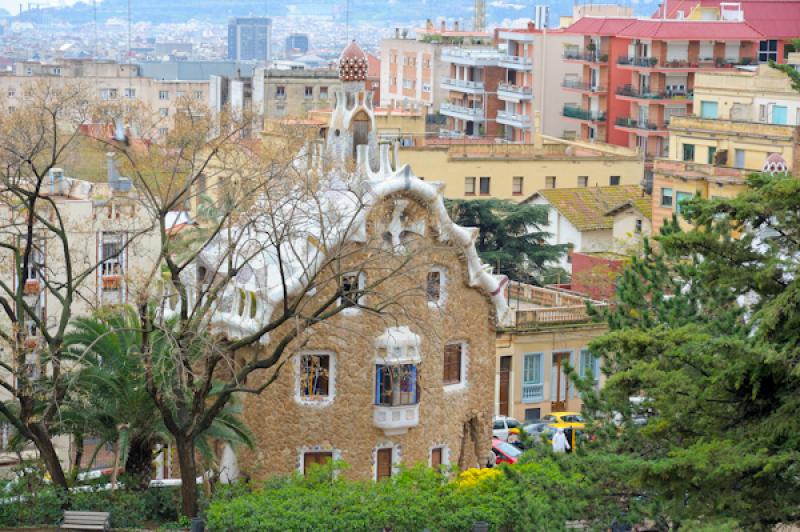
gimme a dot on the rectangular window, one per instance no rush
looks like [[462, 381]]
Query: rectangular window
[[666, 197], [688, 152], [308, 92], [712, 151], [532, 378], [383, 467], [434, 286], [396, 385], [352, 287], [323, 93], [112, 255], [613, 180], [469, 186], [179, 94], [163, 95], [583, 181], [589, 362], [762, 112], [280, 91], [638, 226], [533, 413], [681, 197], [163, 131], [452, 363], [198, 95], [767, 51], [485, 182], [12, 92], [739, 158], [516, 185], [130, 93], [550, 181], [437, 458], [318, 458], [163, 112], [780, 115], [708, 109], [315, 376], [108, 94]]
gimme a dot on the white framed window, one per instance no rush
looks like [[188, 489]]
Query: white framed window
[[130, 93], [589, 362], [550, 181], [533, 377], [435, 284], [315, 378], [583, 181], [385, 459], [163, 112], [516, 185], [179, 94], [454, 366], [308, 92], [163, 95], [163, 131], [315, 455], [469, 186], [439, 456], [198, 95], [12, 92], [111, 251], [352, 287], [280, 91]]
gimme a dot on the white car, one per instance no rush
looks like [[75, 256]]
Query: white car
[[502, 424]]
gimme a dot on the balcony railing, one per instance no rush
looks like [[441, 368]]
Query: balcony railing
[[636, 124], [628, 90], [582, 55], [458, 84], [580, 85], [514, 119], [395, 420], [653, 62], [515, 61], [471, 113], [515, 90], [472, 56], [572, 111]]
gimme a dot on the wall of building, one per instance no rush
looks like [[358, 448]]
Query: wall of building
[[595, 274], [425, 73], [516, 344], [284, 428], [549, 71], [285, 95], [626, 239]]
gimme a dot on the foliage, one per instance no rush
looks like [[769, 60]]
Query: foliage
[[128, 509], [538, 493], [706, 328], [789, 70], [510, 237]]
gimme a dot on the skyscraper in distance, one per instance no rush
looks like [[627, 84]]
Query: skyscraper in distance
[[249, 39]]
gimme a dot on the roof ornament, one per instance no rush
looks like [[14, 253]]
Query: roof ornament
[[775, 164], [353, 63]]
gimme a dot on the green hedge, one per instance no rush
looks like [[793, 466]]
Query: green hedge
[[129, 509], [539, 495]]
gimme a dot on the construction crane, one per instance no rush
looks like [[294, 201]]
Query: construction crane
[[480, 15]]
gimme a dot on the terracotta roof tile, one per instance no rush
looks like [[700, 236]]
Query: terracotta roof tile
[[587, 208]]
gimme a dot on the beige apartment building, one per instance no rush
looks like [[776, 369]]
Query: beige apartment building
[[112, 83], [293, 93]]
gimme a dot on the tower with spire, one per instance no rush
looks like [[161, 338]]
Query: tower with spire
[[353, 119]]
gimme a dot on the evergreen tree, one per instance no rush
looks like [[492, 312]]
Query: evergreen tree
[[511, 238], [707, 330]]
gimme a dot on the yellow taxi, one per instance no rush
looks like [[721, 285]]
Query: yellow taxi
[[567, 419]]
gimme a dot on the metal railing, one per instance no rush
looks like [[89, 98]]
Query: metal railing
[[456, 84], [473, 112], [637, 124], [516, 60], [522, 120], [582, 55], [572, 111], [515, 89], [629, 90], [580, 85], [484, 56]]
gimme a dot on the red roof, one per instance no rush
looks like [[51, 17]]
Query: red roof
[[687, 30], [777, 19], [604, 26]]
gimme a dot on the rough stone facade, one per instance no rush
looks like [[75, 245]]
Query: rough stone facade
[[455, 418]]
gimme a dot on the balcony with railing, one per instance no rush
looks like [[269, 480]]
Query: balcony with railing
[[640, 127], [472, 56], [474, 114], [463, 85], [514, 93], [671, 96], [537, 306], [585, 56], [513, 119], [581, 86], [516, 62], [586, 115], [683, 65]]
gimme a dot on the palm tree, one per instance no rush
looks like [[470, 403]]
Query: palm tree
[[109, 397]]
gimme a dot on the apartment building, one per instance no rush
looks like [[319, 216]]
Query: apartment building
[[113, 83], [742, 122], [293, 93], [638, 74], [411, 66], [551, 328]]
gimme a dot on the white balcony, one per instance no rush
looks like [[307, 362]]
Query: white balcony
[[516, 62], [513, 119], [471, 56], [472, 114], [463, 85], [514, 93], [395, 420]]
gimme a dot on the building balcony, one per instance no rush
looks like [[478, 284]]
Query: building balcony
[[395, 420], [514, 93], [585, 115], [516, 62], [463, 85], [671, 97], [680, 65], [513, 119], [582, 56], [471, 56], [640, 127], [580, 86], [473, 114]]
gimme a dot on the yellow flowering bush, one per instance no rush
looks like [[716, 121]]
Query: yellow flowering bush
[[472, 477]]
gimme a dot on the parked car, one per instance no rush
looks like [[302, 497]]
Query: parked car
[[574, 419], [537, 428], [504, 452], [501, 426]]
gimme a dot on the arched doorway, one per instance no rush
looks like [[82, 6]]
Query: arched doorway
[[360, 127]]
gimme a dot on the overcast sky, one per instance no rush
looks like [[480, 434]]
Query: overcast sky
[[12, 6]]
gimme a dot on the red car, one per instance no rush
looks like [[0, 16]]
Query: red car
[[504, 452]]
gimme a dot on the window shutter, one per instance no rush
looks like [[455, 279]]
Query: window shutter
[[452, 363], [436, 458], [384, 465]]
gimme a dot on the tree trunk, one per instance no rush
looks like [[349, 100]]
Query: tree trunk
[[48, 454], [139, 467], [115, 471], [184, 447], [76, 463]]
